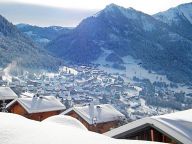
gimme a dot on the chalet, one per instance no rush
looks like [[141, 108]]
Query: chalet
[[6, 96], [175, 128], [36, 107], [98, 118]]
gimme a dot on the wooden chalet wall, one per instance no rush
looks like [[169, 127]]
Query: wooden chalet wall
[[150, 134], [99, 128], [18, 109]]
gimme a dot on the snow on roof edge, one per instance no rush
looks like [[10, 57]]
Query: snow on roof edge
[[88, 120], [154, 122], [33, 111]]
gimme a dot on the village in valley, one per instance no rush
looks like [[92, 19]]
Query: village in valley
[[80, 86], [102, 102]]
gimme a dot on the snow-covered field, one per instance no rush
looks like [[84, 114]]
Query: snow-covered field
[[15, 129], [182, 88], [134, 69]]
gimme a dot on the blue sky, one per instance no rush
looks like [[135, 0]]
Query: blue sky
[[70, 12]]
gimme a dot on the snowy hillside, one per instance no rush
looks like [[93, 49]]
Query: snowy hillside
[[173, 15], [133, 68], [122, 32], [17, 48], [42, 35], [179, 19]]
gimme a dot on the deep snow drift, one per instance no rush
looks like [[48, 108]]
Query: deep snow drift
[[15, 129], [66, 121]]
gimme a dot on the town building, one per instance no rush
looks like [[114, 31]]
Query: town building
[[97, 118], [175, 128], [36, 107]]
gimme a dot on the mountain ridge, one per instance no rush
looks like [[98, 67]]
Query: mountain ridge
[[178, 18], [42, 35], [15, 46]]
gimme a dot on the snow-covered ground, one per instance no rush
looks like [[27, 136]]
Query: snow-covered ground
[[173, 15], [15, 129], [182, 88], [134, 69], [65, 120], [101, 59]]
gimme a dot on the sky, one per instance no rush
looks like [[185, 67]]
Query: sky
[[69, 13]]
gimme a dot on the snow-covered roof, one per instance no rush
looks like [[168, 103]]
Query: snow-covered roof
[[16, 129], [39, 104], [66, 121], [98, 114], [177, 125], [27, 94], [6, 93]]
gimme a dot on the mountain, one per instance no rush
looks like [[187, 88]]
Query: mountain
[[179, 19], [128, 32], [15, 46], [112, 28], [42, 35]]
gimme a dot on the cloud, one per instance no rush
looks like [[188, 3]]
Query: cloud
[[43, 15], [147, 6]]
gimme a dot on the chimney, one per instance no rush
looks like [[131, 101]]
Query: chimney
[[99, 108], [34, 100], [69, 93], [91, 110]]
